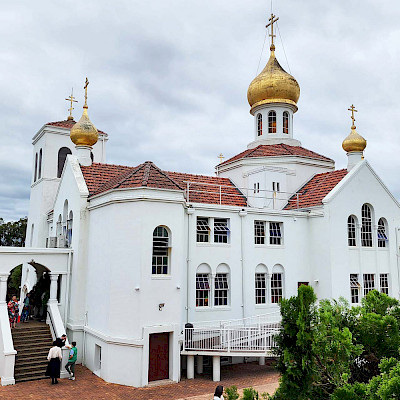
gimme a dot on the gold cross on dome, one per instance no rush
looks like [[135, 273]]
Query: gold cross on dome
[[221, 157], [85, 87], [352, 109], [72, 100], [272, 20]]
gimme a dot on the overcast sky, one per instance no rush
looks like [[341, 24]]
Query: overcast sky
[[168, 79]]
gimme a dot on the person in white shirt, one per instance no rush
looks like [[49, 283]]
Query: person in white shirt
[[53, 367], [219, 390]]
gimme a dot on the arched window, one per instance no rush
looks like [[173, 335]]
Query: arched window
[[259, 125], [203, 288], [272, 122], [62, 156], [261, 284], [382, 235], [36, 165], [221, 286], [285, 122], [277, 284], [161, 251], [40, 164], [69, 228], [366, 226], [351, 231]]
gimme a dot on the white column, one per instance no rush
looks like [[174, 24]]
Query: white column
[[53, 287], [190, 367], [199, 364], [353, 158], [83, 154], [216, 368], [3, 287], [261, 361]]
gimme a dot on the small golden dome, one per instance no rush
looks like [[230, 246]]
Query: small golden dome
[[273, 85], [84, 133], [354, 142]]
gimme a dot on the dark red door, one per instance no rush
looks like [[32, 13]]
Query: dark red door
[[159, 356]]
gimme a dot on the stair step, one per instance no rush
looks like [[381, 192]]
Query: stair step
[[30, 378], [32, 335], [29, 332], [30, 375], [27, 355], [31, 369], [32, 358], [39, 343], [31, 363]]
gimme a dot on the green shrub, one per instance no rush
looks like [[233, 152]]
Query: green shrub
[[231, 393]]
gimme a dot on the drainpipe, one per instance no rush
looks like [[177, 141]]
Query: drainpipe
[[189, 212], [242, 214], [66, 305]]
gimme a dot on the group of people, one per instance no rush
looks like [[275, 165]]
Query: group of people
[[55, 357], [13, 310]]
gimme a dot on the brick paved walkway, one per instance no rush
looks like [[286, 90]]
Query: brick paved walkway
[[89, 386]]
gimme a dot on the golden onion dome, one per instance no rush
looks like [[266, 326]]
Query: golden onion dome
[[273, 85], [354, 142], [84, 133]]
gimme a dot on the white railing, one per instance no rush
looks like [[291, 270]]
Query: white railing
[[255, 339]]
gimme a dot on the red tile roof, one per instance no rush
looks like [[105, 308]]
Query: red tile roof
[[68, 124], [202, 189], [277, 150], [314, 191]]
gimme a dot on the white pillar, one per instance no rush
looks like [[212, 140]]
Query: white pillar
[[3, 287], [190, 367], [216, 368], [261, 361], [53, 287], [84, 156], [353, 158], [199, 364]]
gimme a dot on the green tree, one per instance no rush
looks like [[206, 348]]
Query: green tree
[[13, 233]]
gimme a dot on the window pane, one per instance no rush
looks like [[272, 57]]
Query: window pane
[[354, 289], [203, 230], [384, 283], [275, 234], [369, 283], [285, 122], [221, 230], [259, 124], [160, 259], [221, 290], [259, 232], [276, 288], [382, 237], [272, 122], [366, 226], [261, 288], [202, 290], [351, 231]]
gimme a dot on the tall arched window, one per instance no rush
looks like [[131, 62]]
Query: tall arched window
[[69, 228], [272, 122], [382, 235], [351, 230], [260, 284], [62, 155], [366, 226], [161, 251], [259, 125], [285, 122], [221, 286], [203, 287], [36, 165], [277, 284], [40, 164]]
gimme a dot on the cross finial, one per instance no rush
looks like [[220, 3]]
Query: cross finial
[[221, 157], [353, 110], [72, 100], [272, 20], [85, 87]]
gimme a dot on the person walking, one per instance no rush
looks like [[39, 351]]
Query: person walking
[[25, 309], [53, 367], [70, 366], [13, 311], [219, 390]]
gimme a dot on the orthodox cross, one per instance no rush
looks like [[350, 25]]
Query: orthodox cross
[[272, 20], [85, 87], [72, 100], [221, 157], [352, 109]]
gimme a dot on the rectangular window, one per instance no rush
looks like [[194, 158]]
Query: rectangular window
[[221, 290], [384, 283], [202, 290], [259, 232], [160, 253], [203, 230], [275, 186], [369, 283], [354, 289], [261, 288], [275, 233], [276, 288], [221, 230], [257, 187]]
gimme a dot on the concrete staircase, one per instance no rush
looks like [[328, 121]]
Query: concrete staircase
[[32, 342]]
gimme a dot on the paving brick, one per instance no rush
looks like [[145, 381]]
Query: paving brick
[[89, 386]]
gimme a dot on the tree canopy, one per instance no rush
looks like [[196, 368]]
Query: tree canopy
[[13, 233]]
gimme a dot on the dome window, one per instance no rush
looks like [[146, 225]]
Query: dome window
[[272, 122], [259, 125], [286, 122]]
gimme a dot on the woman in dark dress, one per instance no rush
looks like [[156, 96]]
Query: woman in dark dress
[[53, 367]]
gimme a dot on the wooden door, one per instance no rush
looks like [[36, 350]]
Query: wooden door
[[158, 356]]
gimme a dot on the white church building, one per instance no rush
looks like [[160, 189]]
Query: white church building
[[135, 253]]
